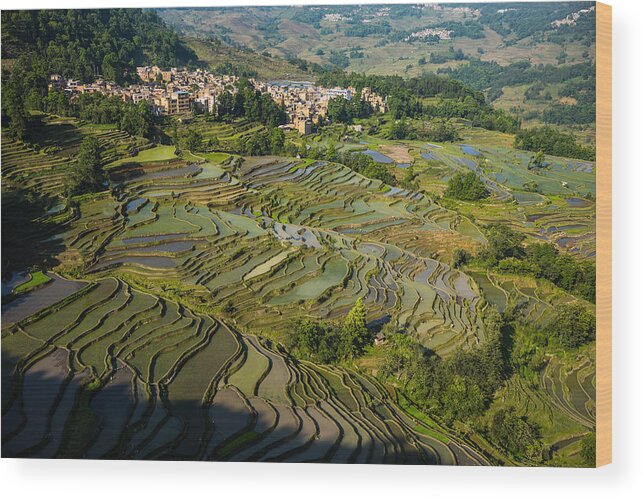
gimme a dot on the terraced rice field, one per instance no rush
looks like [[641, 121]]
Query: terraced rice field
[[209, 227], [193, 271], [115, 372]]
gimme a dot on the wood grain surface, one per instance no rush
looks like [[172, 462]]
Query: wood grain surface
[[603, 234]]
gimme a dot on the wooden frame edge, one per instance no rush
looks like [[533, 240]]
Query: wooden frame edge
[[603, 234]]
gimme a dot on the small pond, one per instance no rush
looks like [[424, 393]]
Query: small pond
[[577, 202], [469, 150], [377, 156]]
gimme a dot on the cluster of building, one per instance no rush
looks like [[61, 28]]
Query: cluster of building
[[180, 91], [170, 92], [571, 19], [455, 10], [335, 18], [307, 104], [441, 33]]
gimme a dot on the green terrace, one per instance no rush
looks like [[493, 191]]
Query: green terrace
[[137, 376]]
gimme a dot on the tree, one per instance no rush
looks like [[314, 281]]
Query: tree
[[276, 140], [516, 434], [87, 174], [355, 334], [137, 119], [537, 161], [439, 130], [574, 325], [13, 105], [466, 187], [192, 140], [462, 400], [550, 140], [502, 242], [331, 152], [460, 258], [400, 356], [400, 129], [588, 449], [316, 341], [338, 111]]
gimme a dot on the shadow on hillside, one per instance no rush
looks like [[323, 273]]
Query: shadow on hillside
[[59, 138], [26, 236], [49, 415]]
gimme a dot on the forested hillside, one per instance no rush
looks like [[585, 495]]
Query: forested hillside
[[82, 43]]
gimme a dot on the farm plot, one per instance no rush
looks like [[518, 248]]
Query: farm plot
[[163, 384]]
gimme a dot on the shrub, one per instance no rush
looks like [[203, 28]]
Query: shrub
[[516, 434], [466, 187], [574, 325]]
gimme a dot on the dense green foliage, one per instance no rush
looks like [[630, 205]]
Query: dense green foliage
[[362, 30], [82, 43], [459, 258], [405, 98], [516, 434], [316, 341], [87, 174], [13, 108], [483, 75], [552, 141], [450, 55], [135, 119], [341, 110], [251, 104], [457, 388], [573, 326], [328, 342], [434, 130], [355, 335], [583, 110], [505, 251], [579, 85], [514, 19], [466, 187], [588, 449]]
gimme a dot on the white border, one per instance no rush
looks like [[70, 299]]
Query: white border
[[119, 479]]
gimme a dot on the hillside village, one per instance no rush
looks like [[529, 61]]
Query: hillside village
[[178, 91]]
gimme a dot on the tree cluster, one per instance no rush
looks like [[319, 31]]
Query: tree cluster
[[251, 104], [458, 388], [341, 110], [405, 98], [135, 119], [505, 252], [330, 343], [552, 141], [87, 174], [516, 434], [466, 187], [82, 43]]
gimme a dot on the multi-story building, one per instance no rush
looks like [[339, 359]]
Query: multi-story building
[[173, 103], [303, 125], [175, 91]]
